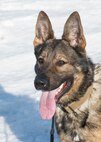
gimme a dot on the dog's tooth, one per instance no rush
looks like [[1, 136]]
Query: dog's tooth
[[61, 86], [56, 92], [59, 89]]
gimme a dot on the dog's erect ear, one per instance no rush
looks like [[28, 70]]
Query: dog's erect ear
[[43, 29], [73, 31]]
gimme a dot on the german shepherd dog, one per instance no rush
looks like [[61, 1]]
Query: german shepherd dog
[[70, 82]]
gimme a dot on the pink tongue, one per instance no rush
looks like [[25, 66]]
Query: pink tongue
[[48, 104]]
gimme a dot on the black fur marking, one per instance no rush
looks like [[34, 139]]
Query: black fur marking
[[84, 119], [55, 43], [39, 49]]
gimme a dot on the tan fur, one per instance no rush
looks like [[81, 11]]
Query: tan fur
[[76, 85], [89, 133], [37, 41]]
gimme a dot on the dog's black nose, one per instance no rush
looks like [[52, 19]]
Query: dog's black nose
[[40, 83]]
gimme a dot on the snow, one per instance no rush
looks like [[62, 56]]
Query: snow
[[19, 101]]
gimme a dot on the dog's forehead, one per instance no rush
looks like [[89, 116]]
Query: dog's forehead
[[57, 47], [57, 44]]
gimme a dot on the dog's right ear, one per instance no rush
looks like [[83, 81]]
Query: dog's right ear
[[43, 30]]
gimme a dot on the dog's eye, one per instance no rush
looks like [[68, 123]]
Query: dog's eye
[[60, 63], [41, 60]]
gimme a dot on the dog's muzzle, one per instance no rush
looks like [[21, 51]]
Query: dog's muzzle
[[41, 83]]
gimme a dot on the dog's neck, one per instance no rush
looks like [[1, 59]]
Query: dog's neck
[[80, 90], [77, 104]]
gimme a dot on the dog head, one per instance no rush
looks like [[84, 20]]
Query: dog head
[[59, 61]]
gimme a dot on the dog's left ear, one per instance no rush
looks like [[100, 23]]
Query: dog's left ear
[[43, 30], [73, 31]]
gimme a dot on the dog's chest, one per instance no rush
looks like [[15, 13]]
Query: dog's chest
[[69, 124]]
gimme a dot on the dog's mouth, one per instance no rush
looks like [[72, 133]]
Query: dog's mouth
[[50, 98]]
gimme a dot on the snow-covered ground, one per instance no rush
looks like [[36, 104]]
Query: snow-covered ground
[[19, 101]]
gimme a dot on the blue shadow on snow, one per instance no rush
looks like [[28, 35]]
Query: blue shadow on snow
[[22, 116]]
